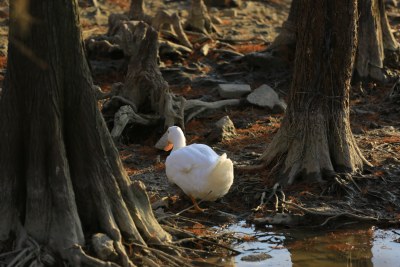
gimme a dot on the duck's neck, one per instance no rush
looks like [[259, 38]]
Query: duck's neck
[[179, 142]]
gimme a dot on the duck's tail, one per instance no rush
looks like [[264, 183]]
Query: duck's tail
[[221, 177]]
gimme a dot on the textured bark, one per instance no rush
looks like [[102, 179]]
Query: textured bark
[[137, 10], [284, 44], [145, 89], [315, 139], [374, 37], [376, 40], [162, 18], [199, 20], [60, 173]]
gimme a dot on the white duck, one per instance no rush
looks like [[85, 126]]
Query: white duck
[[197, 169]]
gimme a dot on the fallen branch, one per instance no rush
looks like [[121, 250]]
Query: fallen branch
[[331, 214], [194, 107]]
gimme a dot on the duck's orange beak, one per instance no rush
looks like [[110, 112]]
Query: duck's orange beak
[[169, 146]]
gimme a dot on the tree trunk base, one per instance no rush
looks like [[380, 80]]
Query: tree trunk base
[[304, 148]]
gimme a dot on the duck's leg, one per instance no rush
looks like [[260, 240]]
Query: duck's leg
[[196, 206]]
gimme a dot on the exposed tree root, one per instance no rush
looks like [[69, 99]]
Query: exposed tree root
[[82, 258]]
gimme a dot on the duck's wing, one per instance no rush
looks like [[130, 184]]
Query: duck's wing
[[190, 165]]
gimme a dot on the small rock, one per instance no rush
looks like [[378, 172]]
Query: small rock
[[233, 90], [265, 96], [230, 13], [224, 130], [104, 247], [256, 257]]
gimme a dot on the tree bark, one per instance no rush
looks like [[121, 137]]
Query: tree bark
[[60, 174], [315, 139], [145, 89], [199, 20], [374, 38], [137, 11], [285, 43]]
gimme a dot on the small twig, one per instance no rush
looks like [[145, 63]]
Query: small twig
[[276, 203], [330, 218], [205, 240], [283, 200], [190, 239], [185, 248], [397, 233], [250, 168], [348, 214]]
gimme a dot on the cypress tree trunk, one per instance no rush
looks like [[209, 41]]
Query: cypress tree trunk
[[284, 44], [61, 177], [374, 38], [315, 139]]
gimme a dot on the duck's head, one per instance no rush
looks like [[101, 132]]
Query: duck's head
[[176, 138]]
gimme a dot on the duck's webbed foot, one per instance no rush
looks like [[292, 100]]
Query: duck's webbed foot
[[197, 209]]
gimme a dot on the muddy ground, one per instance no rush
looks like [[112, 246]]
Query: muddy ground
[[243, 30]]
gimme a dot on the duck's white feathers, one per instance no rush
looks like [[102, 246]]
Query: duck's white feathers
[[200, 172]]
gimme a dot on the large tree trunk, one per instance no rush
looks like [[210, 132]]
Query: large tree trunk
[[374, 38], [60, 175], [315, 139], [284, 44]]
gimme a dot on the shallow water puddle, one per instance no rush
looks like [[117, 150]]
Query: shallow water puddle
[[361, 246]]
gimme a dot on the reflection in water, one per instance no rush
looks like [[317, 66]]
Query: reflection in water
[[360, 247], [331, 249]]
